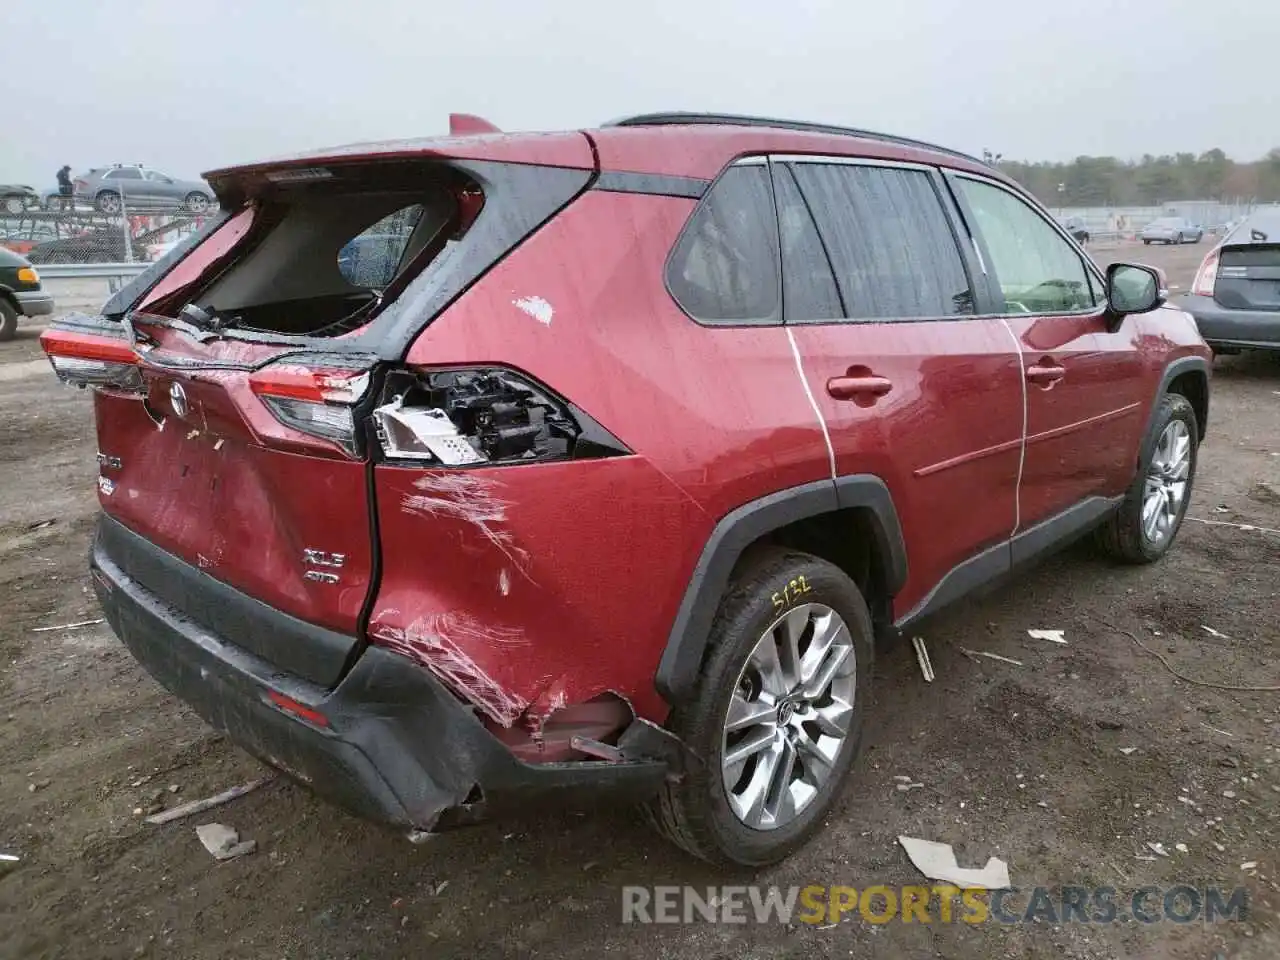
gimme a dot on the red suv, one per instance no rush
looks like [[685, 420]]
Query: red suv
[[444, 474]]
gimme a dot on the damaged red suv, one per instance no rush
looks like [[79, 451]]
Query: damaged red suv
[[447, 474]]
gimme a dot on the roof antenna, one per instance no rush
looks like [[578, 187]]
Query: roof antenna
[[467, 124]]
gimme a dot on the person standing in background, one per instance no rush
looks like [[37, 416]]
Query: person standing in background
[[65, 188]]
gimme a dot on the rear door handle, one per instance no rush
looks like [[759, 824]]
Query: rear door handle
[[1045, 373], [860, 387]]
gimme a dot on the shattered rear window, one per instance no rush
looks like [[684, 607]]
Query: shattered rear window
[[316, 257]]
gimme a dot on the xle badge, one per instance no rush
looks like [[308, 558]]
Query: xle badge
[[321, 558]]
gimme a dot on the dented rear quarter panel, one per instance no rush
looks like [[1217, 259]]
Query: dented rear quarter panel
[[533, 587], [598, 552]]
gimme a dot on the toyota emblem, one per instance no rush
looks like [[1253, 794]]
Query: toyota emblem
[[178, 397]]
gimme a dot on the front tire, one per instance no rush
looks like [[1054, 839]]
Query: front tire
[[775, 722], [1144, 528], [196, 202], [13, 204], [8, 320]]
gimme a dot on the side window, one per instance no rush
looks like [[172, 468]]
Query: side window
[[725, 265], [124, 173], [372, 258], [1039, 271], [808, 285], [889, 239]]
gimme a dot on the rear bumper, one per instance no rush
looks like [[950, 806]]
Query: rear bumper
[[1257, 329], [34, 303], [399, 748]]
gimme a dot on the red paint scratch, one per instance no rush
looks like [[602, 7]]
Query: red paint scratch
[[436, 642], [468, 497]]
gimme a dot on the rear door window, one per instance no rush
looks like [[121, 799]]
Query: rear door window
[[808, 284], [125, 173], [1038, 270], [890, 243], [724, 268]]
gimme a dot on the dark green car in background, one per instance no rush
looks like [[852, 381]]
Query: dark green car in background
[[20, 293]]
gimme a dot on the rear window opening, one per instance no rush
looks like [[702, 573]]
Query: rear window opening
[[320, 252]]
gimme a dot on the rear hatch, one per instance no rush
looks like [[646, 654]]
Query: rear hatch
[[235, 380]]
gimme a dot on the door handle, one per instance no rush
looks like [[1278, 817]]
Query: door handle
[[1045, 374], [866, 386]]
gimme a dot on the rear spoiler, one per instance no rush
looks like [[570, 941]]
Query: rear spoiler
[[467, 124]]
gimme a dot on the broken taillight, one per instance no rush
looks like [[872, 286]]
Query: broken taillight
[[1207, 276], [487, 415], [92, 361], [315, 400]]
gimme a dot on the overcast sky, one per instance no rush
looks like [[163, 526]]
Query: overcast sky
[[186, 86]]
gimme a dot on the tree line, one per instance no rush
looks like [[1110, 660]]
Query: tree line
[[1151, 181]]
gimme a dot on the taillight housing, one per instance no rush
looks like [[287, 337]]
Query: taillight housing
[[481, 416], [319, 400], [1207, 276], [86, 360]]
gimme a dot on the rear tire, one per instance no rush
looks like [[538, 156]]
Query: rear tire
[[8, 320], [108, 201], [710, 812], [196, 202], [13, 203], [1130, 535]]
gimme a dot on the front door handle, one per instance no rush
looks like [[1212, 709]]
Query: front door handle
[[864, 387], [1046, 373]]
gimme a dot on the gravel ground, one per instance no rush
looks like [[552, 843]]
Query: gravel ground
[[1067, 766]]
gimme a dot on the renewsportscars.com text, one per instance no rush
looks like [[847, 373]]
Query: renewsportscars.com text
[[940, 903]]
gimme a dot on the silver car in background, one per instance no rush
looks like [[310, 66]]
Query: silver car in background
[[1171, 230], [133, 186]]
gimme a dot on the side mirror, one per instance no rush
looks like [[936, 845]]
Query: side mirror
[[1133, 288]]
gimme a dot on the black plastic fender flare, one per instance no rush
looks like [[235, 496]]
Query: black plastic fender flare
[[677, 671], [1174, 370]]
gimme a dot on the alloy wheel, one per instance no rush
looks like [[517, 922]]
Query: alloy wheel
[[1166, 483], [789, 717]]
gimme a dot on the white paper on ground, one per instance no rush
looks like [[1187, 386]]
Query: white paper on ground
[[937, 861], [1055, 636]]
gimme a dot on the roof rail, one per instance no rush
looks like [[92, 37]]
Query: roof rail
[[675, 118]]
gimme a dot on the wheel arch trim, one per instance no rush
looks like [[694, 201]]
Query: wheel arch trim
[[1175, 369], [678, 669]]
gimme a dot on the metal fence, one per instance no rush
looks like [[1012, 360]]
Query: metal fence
[[1125, 222], [80, 235], [72, 238]]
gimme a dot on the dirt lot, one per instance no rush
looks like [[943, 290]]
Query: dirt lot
[[1022, 762]]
